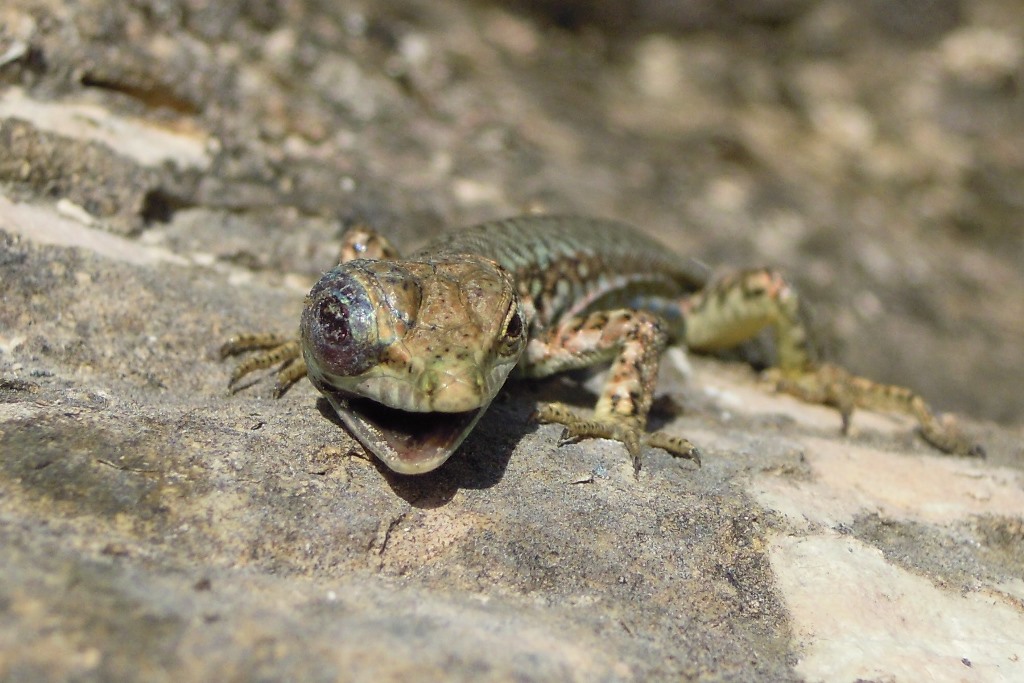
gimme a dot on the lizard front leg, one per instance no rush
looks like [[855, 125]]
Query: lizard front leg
[[273, 349], [736, 308], [633, 341], [358, 242]]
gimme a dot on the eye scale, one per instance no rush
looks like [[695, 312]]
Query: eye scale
[[411, 351]]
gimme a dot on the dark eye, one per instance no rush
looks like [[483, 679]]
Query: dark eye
[[338, 326], [512, 335], [514, 328]]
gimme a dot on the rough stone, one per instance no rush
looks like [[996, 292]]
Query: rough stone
[[190, 170]]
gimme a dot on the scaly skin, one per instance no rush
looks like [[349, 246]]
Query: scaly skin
[[410, 352]]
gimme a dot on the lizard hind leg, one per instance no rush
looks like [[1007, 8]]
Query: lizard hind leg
[[737, 307], [832, 385], [633, 341]]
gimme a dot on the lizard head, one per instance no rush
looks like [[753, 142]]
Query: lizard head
[[411, 353]]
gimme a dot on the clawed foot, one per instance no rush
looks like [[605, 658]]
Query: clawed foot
[[273, 349], [628, 432], [833, 386], [944, 433]]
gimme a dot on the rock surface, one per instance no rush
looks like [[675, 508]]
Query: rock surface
[[172, 173]]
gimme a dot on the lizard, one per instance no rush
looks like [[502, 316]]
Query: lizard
[[411, 351]]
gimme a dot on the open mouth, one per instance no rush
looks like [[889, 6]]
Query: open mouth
[[407, 442]]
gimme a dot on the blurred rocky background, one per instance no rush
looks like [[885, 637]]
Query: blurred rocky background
[[875, 151]]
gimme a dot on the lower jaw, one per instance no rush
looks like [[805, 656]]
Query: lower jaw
[[407, 442]]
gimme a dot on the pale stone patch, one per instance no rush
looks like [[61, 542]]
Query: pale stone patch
[[67, 208], [9, 412], [45, 225], [9, 344], [855, 616], [981, 56], [1014, 589], [142, 141], [58, 226], [473, 192], [852, 480]]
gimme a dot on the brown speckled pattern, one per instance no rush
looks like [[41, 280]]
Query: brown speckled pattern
[[586, 292]]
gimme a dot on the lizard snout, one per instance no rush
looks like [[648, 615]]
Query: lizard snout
[[339, 330]]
